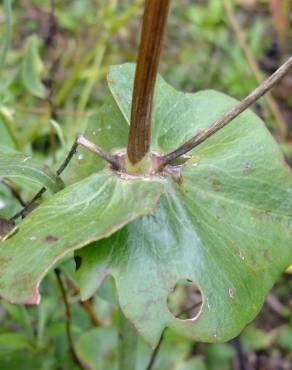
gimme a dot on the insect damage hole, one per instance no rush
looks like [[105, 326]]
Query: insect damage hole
[[185, 300]]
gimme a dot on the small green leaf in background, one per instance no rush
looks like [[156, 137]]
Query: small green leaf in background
[[12, 342], [98, 348], [285, 338], [256, 339], [194, 364], [32, 68], [19, 166]]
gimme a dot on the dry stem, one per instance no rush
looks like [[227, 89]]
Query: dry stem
[[203, 135]]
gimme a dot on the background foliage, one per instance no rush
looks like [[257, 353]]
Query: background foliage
[[53, 65]]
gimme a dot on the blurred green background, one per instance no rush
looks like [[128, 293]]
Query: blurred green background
[[53, 63]]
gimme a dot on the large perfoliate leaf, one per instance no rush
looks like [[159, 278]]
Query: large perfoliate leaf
[[226, 224], [15, 165], [82, 213]]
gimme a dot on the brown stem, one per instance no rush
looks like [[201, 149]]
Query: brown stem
[[229, 116], [154, 24], [68, 322], [14, 191], [112, 159], [87, 306], [158, 346], [155, 352], [91, 313]]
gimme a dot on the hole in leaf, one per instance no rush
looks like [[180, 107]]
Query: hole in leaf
[[185, 300]]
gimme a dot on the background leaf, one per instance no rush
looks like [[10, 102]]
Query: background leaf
[[19, 166], [32, 68]]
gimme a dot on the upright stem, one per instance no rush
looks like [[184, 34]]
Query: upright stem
[[154, 22], [128, 338]]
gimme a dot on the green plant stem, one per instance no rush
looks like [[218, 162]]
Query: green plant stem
[[93, 78], [11, 130], [128, 339], [7, 33], [153, 29], [27, 324], [96, 55]]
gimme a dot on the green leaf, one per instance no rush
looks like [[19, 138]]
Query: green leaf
[[24, 167], [194, 364], [32, 68], [82, 213], [11, 342], [98, 348], [226, 225], [257, 340]]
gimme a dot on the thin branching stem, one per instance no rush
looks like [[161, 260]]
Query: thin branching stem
[[14, 191], [82, 141], [112, 159], [155, 352], [68, 317], [153, 29], [224, 120]]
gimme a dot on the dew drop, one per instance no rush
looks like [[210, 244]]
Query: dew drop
[[93, 133], [33, 238], [2, 204], [246, 164], [241, 255], [231, 293], [80, 157], [208, 304], [109, 127]]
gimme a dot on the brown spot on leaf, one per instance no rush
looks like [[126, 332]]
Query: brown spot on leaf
[[5, 227], [266, 254], [248, 168], [217, 185], [4, 261], [51, 239]]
